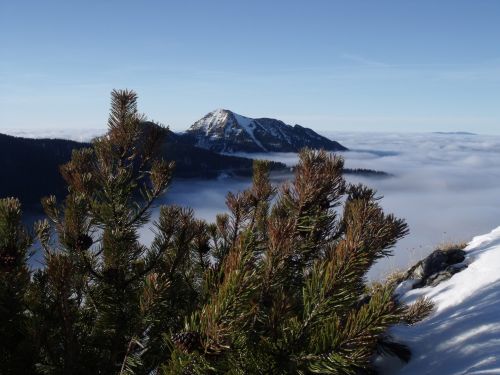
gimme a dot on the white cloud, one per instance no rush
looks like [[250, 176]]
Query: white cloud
[[79, 135], [447, 187]]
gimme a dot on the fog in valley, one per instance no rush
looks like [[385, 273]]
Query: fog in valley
[[446, 186]]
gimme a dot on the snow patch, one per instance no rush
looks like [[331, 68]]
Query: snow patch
[[462, 336]]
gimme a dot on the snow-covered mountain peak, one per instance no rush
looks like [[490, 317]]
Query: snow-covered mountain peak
[[225, 131], [214, 119]]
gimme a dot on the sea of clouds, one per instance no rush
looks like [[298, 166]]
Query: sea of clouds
[[446, 186], [79, 135]]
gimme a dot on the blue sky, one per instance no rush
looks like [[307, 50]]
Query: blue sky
[[331, 65]]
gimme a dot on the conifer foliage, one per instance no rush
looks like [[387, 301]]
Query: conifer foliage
[[274, 286], [15, 346]]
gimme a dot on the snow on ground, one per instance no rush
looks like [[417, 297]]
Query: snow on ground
[[462, 336]]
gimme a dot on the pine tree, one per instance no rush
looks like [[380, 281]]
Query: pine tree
[[286, 293], [275, 286], [98, 276], [16, 352]]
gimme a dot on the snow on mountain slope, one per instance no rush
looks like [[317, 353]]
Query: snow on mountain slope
[[248, 125], [462, 336], [225, 131]]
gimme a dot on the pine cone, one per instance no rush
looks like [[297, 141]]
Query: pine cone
[[7, 262], [204, 248], [84, 241], [187, 341]]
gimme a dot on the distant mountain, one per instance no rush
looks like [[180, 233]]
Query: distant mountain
[[195, 162], [455, 133], [29, 168], [224, 131]]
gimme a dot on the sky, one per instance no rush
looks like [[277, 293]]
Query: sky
[[405, 66]]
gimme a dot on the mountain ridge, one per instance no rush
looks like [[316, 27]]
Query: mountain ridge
[[225, 131], [29, 168]]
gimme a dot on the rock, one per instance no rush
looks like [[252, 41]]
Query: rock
[[437, 267]]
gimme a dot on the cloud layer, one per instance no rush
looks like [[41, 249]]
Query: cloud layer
[[447, 186]]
